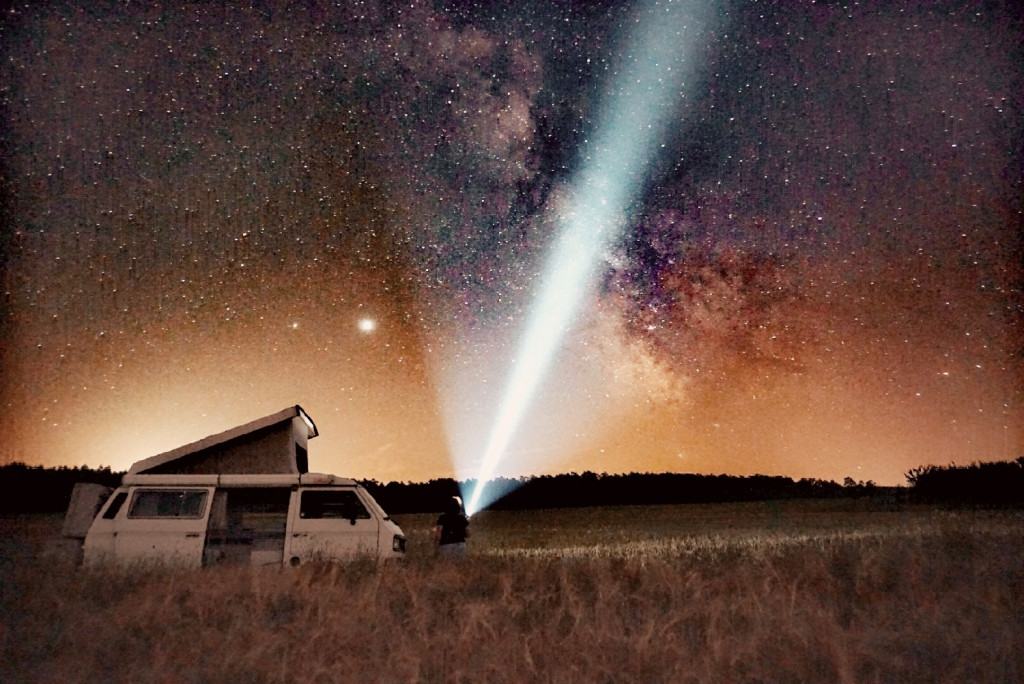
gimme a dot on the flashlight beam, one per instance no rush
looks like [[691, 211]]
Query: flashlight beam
[[644, 98]]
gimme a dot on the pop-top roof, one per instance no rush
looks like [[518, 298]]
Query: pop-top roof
[[224, 441]]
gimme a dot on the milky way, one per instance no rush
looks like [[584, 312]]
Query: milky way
[[213, 212]]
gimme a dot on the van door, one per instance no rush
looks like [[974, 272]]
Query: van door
[[164, 524], [330, 523], [247, 526]]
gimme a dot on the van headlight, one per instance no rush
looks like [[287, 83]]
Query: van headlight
[[398, 544]]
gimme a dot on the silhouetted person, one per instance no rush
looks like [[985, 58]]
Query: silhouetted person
[[452, 530]]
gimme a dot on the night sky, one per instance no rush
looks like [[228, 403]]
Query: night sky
[[214, 211]]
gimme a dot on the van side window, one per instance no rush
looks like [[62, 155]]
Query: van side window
[[344, 504], [168, 503], [115, 506]]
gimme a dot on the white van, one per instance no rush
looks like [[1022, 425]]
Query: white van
[[197, 518]]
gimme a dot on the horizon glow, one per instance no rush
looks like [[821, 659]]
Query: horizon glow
[[657, 69]]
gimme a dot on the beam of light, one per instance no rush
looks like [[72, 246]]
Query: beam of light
[[659, 62]]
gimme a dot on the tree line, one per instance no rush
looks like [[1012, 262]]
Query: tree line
[[1000, 483], [593, 489], [37, 489]]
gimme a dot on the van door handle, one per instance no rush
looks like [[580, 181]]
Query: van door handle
[[192, 534]]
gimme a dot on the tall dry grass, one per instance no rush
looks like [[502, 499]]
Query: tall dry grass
[[939, 603]]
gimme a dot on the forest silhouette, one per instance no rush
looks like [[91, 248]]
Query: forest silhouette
[[36, 489]]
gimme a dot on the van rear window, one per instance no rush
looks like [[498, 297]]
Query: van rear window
[[343, 504], [168, 503], [115, 506]]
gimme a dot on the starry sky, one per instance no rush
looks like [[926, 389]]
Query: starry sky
[[212, 211]]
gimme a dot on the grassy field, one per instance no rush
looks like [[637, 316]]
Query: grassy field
[[788, 591]]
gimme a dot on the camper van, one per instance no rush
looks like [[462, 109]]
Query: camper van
[[240, 497]]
